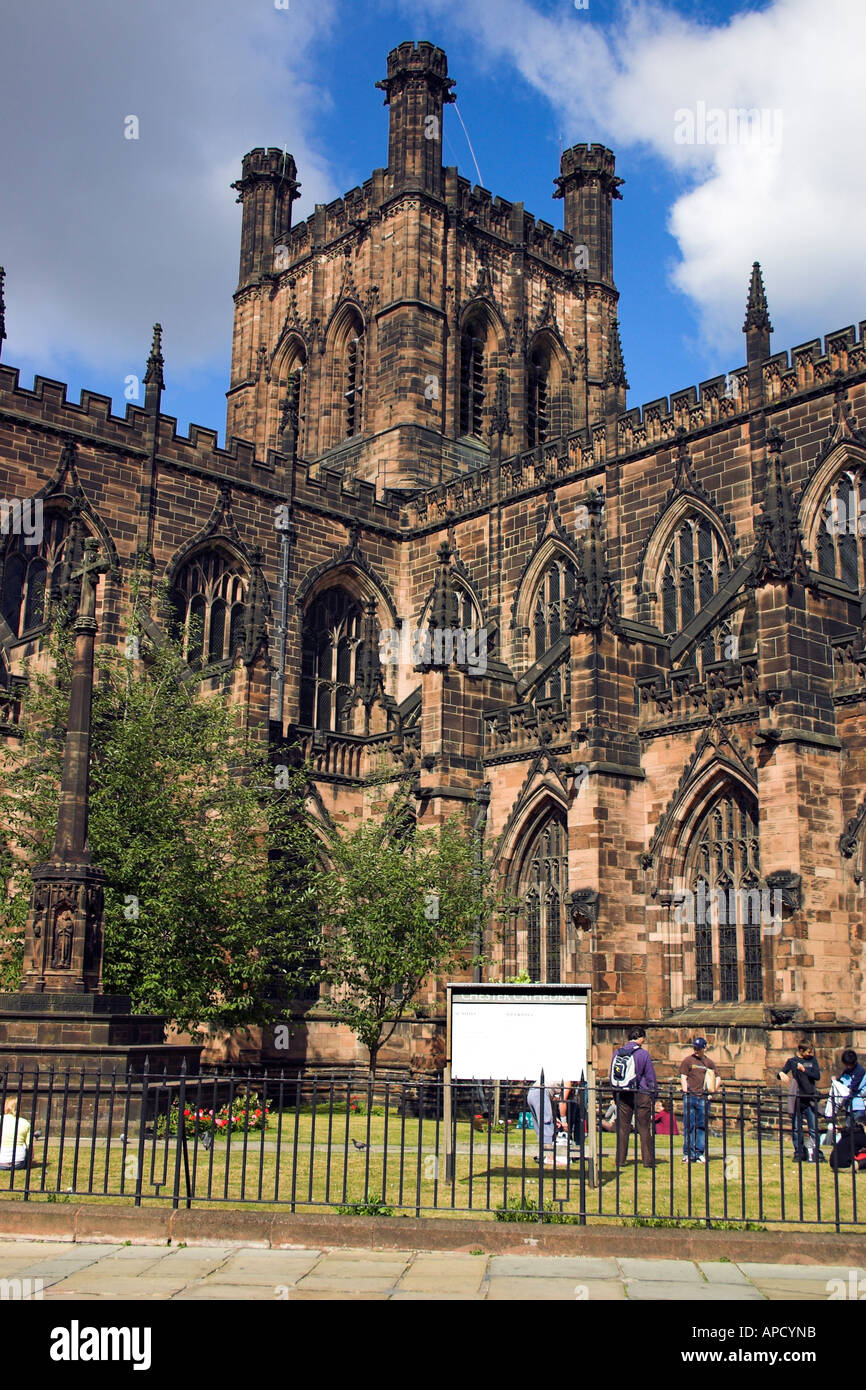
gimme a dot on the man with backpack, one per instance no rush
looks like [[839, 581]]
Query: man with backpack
[[634, 1084]]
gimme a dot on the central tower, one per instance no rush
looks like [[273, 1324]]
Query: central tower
[[417, 327]]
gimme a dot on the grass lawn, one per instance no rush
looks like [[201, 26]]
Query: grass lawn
[[402, 1164]]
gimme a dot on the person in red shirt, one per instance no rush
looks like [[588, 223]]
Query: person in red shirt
[[664, 1119]]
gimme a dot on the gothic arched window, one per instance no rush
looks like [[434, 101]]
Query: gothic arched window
[[543, 888], [693, 568], [350, 375], [329, 652], [345, 410], [729, 909], [840, 540], [549, 619], [31, 574], [538, 398], [208, 602], [472, 381], [353, 378]]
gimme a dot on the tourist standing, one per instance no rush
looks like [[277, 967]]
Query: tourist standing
[[698, 1081], [633, 1079], [803, 1074], [540, 1104]]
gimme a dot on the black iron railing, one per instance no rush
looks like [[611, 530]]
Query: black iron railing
[[380, 1146]]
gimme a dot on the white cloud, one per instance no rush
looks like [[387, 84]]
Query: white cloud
[[797, 208], [101, 235]]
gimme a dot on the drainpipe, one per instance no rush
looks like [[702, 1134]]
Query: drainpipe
[[482, 796], [288, 533], [285, 525]]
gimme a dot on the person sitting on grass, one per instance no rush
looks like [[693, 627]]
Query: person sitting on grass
[[14, 1137]]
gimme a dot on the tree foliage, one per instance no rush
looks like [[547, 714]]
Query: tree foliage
[[397, 905], [209, 857]]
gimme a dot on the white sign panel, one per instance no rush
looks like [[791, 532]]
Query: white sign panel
[[501, 1032]]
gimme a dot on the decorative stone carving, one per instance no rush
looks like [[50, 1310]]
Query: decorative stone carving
[[791, 887], [61, 942], [583, 906]]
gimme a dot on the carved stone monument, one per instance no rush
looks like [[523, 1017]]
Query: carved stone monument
[[60, 1015]]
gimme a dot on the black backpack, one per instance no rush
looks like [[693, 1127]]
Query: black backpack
[[852, 1142]]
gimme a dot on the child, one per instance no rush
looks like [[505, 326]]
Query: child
[[664, 1119]]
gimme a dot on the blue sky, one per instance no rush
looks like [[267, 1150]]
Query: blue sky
[[100, 236]]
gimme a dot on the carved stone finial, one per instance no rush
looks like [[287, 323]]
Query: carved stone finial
[[155, 362], [757, 312], [595, 600], [369, 664], [256, 618], [614, 374], [444, 609], [500, 420], [290, 416], [780, 545]]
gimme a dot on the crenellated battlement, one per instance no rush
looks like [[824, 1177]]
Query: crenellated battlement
[[331, 221], [356, 500], [92, 423], [785, 374], [474, 205], [417, 57], [692, 409], [508, 221], [589, 160]]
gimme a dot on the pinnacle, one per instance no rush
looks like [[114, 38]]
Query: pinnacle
[[757, 312], [155, 361], [615, 374]]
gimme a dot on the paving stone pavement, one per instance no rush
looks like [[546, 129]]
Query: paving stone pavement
[[72, 1272]]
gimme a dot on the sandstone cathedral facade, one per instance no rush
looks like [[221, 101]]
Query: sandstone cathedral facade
[[627, 644]]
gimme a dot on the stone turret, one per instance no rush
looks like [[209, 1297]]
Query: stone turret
[[416, 90], [588, 184], [267, 188]]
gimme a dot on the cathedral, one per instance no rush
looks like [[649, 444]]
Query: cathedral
[[626, 644]]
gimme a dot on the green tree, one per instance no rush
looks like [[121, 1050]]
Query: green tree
[[397, 905], [209, 856]]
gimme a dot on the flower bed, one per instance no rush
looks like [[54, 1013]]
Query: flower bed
[[245, 1113]]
